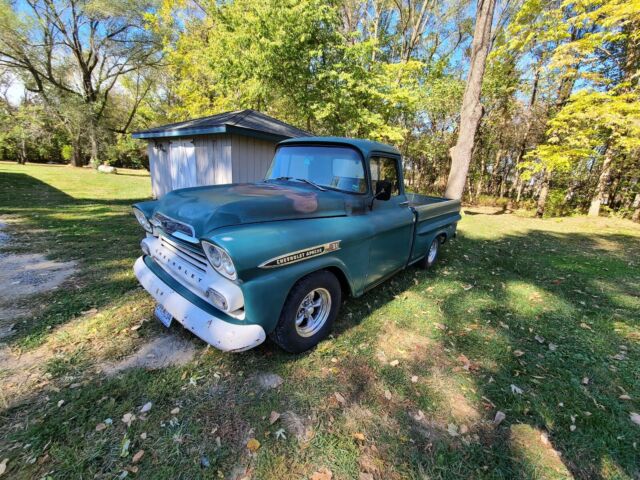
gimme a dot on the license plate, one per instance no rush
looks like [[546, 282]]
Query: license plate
[[163, 315]]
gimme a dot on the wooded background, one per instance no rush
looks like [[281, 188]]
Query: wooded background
[[558, 120]]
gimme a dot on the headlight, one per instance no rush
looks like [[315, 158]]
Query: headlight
[[220, 260], [142, 220]]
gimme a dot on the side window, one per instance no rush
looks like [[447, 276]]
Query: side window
[[383, 168]]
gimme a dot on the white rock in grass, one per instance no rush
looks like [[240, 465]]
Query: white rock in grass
[[515, 389], [635, 418], [146, 407], [500, 416]]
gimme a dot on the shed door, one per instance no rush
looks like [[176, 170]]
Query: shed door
[[182, 160]]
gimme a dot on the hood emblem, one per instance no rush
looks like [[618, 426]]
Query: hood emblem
[[300, 255]]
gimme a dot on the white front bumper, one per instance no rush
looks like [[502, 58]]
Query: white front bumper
[[213, 330]]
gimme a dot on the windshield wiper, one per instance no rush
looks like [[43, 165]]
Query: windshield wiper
[[313, 184]]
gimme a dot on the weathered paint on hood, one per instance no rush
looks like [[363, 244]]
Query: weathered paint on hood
[[212, 207]]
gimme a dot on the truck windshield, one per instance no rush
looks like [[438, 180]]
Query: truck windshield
[[338, 168]]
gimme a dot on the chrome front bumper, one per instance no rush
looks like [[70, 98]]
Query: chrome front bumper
[[225, 336]]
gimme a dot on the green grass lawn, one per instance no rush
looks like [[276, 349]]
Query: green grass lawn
[[537, 319]]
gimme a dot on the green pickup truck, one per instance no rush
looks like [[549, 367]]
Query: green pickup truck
[[235, 263]]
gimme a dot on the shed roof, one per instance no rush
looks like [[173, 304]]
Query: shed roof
[[366, 147], [242, 122]]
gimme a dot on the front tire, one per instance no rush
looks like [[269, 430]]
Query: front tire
[[308, 313]]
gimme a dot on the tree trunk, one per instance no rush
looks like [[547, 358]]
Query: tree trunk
[[636, 205], [471, 111], [93, 141], [22, 158], [598, 198], [76, 153], [544, 193], [481, 179], [519, 189]]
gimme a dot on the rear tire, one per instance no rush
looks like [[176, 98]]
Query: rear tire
[[432, 254], [308, 313]]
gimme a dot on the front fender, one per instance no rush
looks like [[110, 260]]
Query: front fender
[[148, 208], [265, 289]]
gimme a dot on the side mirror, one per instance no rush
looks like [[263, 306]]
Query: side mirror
[[383, 190]]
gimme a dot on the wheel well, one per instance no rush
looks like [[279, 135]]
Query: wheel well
[[342, 278], [442, 236]]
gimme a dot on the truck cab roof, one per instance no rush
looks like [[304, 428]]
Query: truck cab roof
[[365, 147]]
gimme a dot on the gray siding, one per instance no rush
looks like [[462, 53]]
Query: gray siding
[[159, 166], [219, 159], [251, 158]]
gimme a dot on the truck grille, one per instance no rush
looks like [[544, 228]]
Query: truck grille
[[193, 255], [171, 226]]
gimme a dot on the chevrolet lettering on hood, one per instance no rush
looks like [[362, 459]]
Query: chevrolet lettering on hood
[[300, 255], [236, 263]]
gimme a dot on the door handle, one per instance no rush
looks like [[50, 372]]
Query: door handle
[[404, 204]]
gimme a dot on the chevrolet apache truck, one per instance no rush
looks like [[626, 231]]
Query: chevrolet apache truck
[[235, 263]]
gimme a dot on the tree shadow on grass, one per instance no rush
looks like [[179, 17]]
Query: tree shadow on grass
[[104, 241], [489, 299]]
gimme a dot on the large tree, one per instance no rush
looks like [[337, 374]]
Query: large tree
[[471, 111], [74, 54]]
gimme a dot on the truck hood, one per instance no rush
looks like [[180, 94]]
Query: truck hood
[[208, 208]]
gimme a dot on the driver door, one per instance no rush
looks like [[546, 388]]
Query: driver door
[[392, 222]]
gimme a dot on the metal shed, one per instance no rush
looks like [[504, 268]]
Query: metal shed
[[231, 147]]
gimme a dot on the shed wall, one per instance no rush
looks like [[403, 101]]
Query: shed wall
[[220, 159], [251, 158]]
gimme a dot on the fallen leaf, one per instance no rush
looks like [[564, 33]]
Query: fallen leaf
[[341, 400], [619, 356], [441, 326], [467, 287], [572, 428], [101, 426], [143, 435], [453, 430], [414, 379], [500, 416], [394, 363], [585, 381], [518, 353], [175, 411], [553, 347], [322, 474], [387, 394], [128, 419], [3, 465], [635, 418], [359, 436], [60, 403], [124, 446], [253, 445], [280, 434], [504, 325], [146, 407], [515, 389], [273, 417], [466, 362], [138, 456], [584, 325], [624, 397], [539, 339]]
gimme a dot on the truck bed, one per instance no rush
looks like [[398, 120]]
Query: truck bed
[[433, 214]]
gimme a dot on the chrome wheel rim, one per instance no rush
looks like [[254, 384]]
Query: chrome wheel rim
[[433, 251], [313, 311]]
